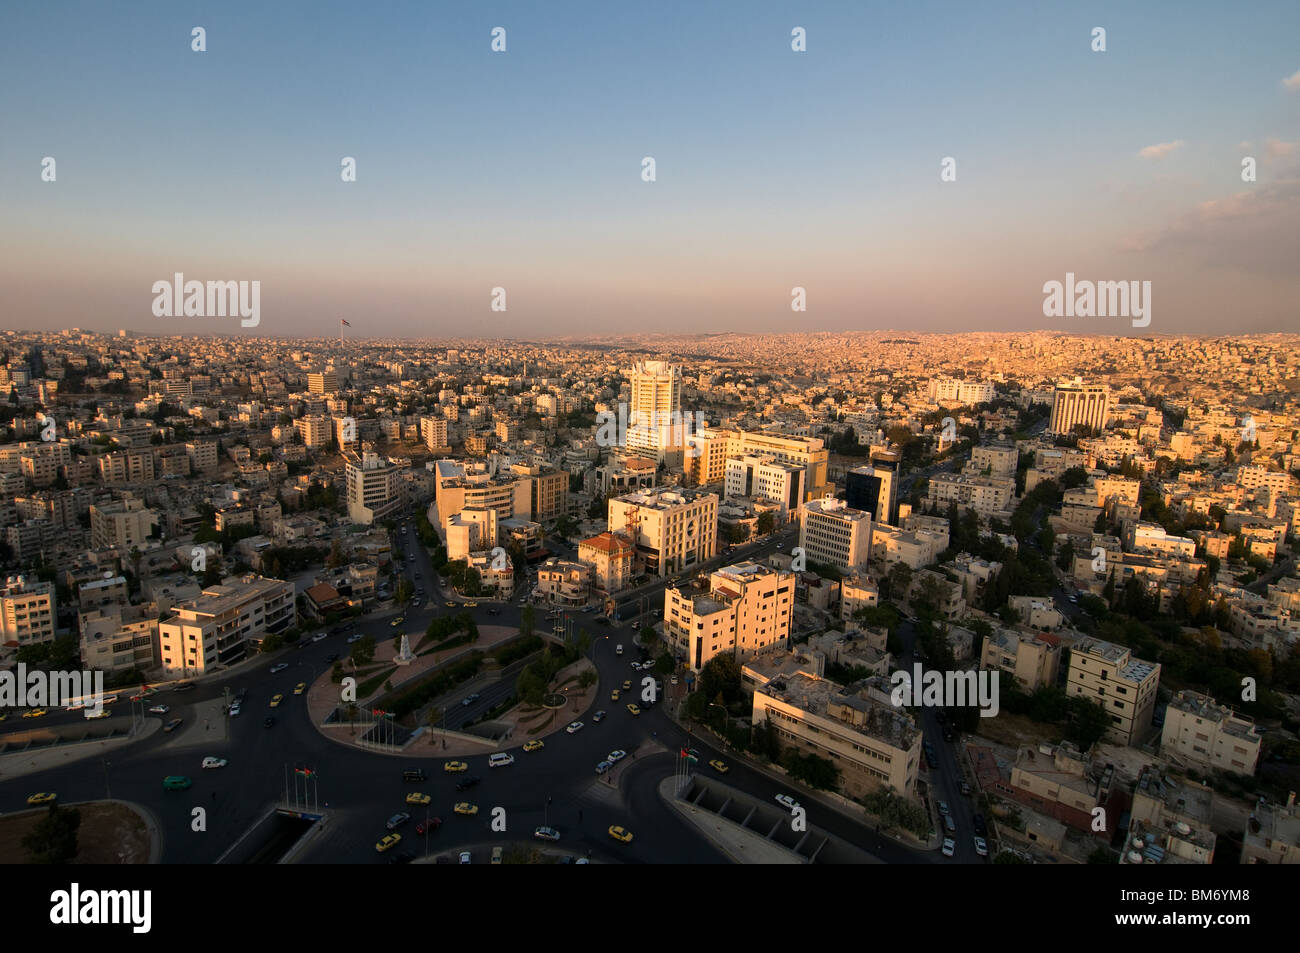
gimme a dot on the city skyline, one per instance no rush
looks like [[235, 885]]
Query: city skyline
[[775, 169]]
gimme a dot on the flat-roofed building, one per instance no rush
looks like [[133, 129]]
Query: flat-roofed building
[[832, 533], [1032, 658], [671, 530], [26, 611], [323, 382], [121, 524], [1123, 685], [548, 491], [373, 487], [562, 582], [857, 591], [1201, 732], [224, 624], [1272, 834], [766, 478], [118, 638], [1079, 404], [744, 609], [874, 744], [1169, 822], [987, 496]]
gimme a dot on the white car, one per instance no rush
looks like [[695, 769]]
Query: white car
[[949, 847], [574, 727], [159, 710], [320, 637], [618, 754], [276, 669], [215, 762], [464, 857], [981, 847], [234, 710], [787, 801], [355, 638]]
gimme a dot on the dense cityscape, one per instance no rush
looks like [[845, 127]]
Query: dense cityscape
[[875, 597]]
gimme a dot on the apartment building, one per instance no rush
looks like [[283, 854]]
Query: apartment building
[[1200, 732], [562, 582], [765, 478], [474, 529], [743, 609], [987, 496], [462, 484], [671, 530], [857, 591], [1169, 821], [1058, 781], [1123, 685], [323, 382], [202, 454], [548, 490], [126, 466], [711, 448], [123, 524], [225, 623], [832, 533], [994, 460], [26, 611], [941, 390], [315, 431], [118, 638], [373, 487], [1032, 658], [1272, 834], [433, 433], [875, 745]]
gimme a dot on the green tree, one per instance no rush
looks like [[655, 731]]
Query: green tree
[[54, 839]]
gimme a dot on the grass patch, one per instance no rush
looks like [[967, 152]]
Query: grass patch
[[371, 685], [109, 834]]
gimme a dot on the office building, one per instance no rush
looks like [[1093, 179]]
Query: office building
[[744, 609], [224, 624], [1079, 404], [671, 531], [832, 533], [373, 487]]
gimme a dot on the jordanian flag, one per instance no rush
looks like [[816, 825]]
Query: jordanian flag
[[305, 772], [690, 754]]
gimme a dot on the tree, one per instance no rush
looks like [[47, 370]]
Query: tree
[[527, 618], [363, 652], [721, 676], [54, 839], [587, 679], [766, 523]]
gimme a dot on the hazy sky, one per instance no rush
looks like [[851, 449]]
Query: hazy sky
[[522, 169]]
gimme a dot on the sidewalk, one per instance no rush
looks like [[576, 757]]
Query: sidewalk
[[20, 763], [740, 846]]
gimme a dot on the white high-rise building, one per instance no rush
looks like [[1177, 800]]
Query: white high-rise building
[[768, 479], [373, 487], [834, 534], [656, 403], [671, 531]]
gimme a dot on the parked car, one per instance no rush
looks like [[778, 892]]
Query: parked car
[[981, 847], [276, 669], [397, 820], [949, 847], [464, 784], [787, 801], [546, 833], [603, 767], [429, 826]]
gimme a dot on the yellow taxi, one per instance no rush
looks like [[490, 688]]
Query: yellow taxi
[[389, 841], [613, 696], [455, 767], [42, 798], [633, 709], [627, 686], [276, 699], [534, 745], [415, 797], [719, 766], [621, 834], [35, 713], [466, 808], [300, 688]]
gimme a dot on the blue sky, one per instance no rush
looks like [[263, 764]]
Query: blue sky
[[775, 168]]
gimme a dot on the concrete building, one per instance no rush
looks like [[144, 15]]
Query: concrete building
[[1032, 658], [323, 382], [315, 431], [433, 432], [1077, 403], [1272, 834], [711, 448], [875, 745], [548, 490], [874, 488], [857, 591], [610, 557], [1169, 822], [941, 390], [655, 409], [1125, 686], [671, 530], [766, 478], [373, 487], [224, 624], [987, 496], [26, 611], [832, 533], [744, 609], [118, 638], [1200, 732], [121, 524], [562, 582]]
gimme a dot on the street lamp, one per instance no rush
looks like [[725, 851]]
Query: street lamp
[[726, 714]]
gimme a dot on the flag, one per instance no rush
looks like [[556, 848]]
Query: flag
[[344, 323], [305, 772]]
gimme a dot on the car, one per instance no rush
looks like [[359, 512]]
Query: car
[[43, 797], [354, 638], [269, 722], [632, 709], [621, 834], [471, 605], [215, 762], [276, 699], [469, 700], [466, 808], [320, 637], [277, 669], [454, 767], [172, 725], [464, 784], [965, 788], [102, 713], [414, 774], [613, 696], [415, 797], [465, 857], [980, 827], [494, 612], [389, 841], [981, 847], [187, 687], [949, 847], [35, 713], [397, 820], [176, 782], [235, 709], [534, 745], [546, 833], [627, 685], [429, 826], [449, 604], [574, 727], [415, 603], [618, 754], [673, 680], [943, 808], [398, 621], [598, 717], [159, 710], [719, 766], [787, 801], [603, 767], [300, 688], [618, 649]]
